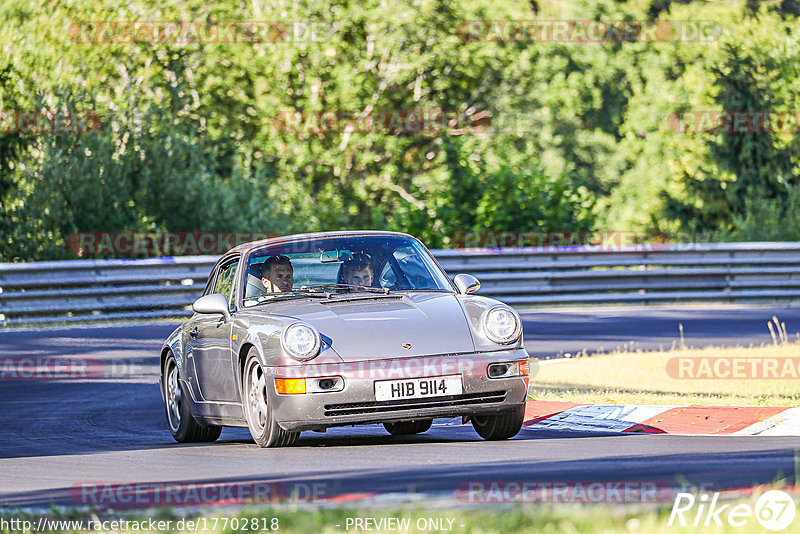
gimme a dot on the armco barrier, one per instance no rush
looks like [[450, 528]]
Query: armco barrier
[[83, 290]]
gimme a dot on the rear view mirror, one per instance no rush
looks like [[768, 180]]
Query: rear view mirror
[[331, 256], [213, 303]]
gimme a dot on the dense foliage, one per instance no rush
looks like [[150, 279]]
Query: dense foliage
[[191, 136]]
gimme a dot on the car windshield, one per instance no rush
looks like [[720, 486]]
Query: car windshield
[[325, 266]]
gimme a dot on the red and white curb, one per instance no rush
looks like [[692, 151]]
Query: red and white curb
[[648, 419]]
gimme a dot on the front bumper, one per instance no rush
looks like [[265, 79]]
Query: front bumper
[[355, 403]]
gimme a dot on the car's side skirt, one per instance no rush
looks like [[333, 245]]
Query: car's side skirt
[[216, 413]]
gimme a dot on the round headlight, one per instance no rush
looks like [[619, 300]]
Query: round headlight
[[301, 341], [501, 325]]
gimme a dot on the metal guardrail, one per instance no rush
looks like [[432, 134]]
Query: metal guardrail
[[85, 290]]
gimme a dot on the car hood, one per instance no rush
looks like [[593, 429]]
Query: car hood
[[368, 326]]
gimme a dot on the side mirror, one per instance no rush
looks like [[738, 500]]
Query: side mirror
[[213, 303], [466, 283]]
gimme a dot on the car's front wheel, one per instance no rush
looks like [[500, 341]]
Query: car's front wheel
[[182, 424], [499, 426], [405, 428], [258, 411]]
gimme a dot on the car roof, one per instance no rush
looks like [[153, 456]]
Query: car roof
[[246, 247]]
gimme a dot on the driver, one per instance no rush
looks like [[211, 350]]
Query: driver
[[277, 274], [357, 271]]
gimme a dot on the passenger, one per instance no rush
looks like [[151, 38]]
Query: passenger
[[357, 271]]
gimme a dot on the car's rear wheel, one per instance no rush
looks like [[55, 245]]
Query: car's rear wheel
[[182, 424], [503, 425], [258, 411], [405, 428]]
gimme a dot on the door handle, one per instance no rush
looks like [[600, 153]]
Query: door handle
[[193, 332]]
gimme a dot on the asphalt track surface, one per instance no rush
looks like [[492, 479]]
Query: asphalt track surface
[[60, 434]]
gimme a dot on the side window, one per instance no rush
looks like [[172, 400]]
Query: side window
[[224, 283], [387, 277], [413, 268]]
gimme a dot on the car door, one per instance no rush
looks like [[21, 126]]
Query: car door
[[213, 357]]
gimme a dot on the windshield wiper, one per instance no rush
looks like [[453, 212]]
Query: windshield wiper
[[348, 287], [298, 293]]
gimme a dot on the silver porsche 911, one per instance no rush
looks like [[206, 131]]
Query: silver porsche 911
[[312, 331]]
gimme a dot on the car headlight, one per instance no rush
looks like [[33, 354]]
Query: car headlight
[[501, 325], [301, 341]]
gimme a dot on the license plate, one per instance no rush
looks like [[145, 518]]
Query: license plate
[[418, 388]]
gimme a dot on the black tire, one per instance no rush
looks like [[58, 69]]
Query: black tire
[[258, 411], [405, 428], [499, 426], [182, 424]]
